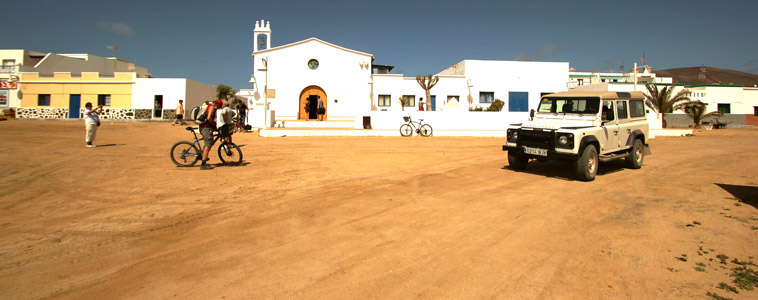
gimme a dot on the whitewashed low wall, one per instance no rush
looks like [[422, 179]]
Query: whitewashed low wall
[[447, 123]]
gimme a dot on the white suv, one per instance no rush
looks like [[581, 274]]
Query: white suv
[[584, 128]]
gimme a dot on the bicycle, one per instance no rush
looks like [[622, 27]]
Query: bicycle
[[186, 154], [408, 128]]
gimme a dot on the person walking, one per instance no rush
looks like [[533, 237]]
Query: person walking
[[91, 122], [179, 113], [206, 130], [321, 108], [241, 116]]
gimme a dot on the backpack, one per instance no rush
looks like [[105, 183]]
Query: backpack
[[200, 114]]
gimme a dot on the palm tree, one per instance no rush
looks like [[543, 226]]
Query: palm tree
[[696, 110], [663, 101]]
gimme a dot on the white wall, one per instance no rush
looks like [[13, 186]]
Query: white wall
[[502, 77], [196, 94]]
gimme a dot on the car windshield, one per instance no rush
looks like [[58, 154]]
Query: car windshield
[[569, 105]]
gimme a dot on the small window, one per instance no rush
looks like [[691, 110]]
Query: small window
[[104, 100], [43, 100], [313, 64], [637, 108], [411, 100], [755, 111], [725, 108], [486, 97], [453, 98], [622, 110], [3, 98], [384, 100]]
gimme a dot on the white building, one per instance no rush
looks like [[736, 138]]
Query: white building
[[289, 78]]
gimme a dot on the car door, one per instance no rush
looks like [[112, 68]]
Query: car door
[[610, 127], [624, 124]]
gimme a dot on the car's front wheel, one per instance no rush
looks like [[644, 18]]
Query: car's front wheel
[[586, 165], [517, 161]]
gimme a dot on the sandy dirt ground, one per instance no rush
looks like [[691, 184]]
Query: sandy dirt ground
[[366, 218]]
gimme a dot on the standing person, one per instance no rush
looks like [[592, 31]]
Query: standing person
[[91, 122], [242, 115], [206, 130], [321, 109], [224, 120], [421, 104], [179, 113]]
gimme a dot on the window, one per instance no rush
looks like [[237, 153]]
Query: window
[[637, 108], [622, 110], [454, 99], [384, 100], [725, 108], [411, 100], [3, 98], [8, 65], [518, 101], [43, 100], [486, 97], [608, 111], [580, 81], [755, 111], [104, 100]]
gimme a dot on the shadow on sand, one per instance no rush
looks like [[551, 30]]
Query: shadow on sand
[[565, 170], [746, 194]]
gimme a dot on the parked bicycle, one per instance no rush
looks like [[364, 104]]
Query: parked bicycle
[[186, 153], [408, 128]]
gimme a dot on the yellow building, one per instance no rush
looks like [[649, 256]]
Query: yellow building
[[123, 95], [64, 95]]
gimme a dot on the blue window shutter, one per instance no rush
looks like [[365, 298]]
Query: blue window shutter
[[518, 101]]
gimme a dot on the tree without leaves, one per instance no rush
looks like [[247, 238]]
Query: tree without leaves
[[663, 101], [403, 102], [696, 110], [427, 83]]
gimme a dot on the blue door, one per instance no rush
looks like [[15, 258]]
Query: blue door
[[434, 102], [74, 103]]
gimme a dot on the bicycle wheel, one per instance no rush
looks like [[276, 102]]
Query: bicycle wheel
[[184, 154], [426, 130], [406, 130], [230, 153]]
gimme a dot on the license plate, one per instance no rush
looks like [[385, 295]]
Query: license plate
[[535, 151]]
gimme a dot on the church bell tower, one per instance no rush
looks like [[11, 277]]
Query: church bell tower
[[262, 35]]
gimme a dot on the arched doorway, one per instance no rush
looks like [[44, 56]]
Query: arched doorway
[[308, 98]]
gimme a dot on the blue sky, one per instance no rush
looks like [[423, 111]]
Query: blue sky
[[211, 41]]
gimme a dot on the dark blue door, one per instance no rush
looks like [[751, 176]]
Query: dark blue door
[[74, 103], [434, 102]]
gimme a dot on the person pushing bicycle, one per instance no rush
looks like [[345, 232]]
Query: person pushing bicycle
[[206, 130]]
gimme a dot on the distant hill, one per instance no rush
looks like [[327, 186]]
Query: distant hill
[[692, 76]]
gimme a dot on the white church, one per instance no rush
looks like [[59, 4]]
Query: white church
[[358, 94]]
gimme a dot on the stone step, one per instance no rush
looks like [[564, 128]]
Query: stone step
[[315, 124]]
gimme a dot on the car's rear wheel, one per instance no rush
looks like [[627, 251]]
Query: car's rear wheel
[[636, 155]]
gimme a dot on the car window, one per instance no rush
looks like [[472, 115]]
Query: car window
[[608, 114], [636, 108], [623, 112]]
